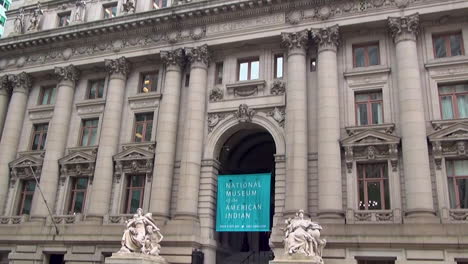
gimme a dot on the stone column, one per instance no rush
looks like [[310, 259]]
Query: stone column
[[21, 84], [329, 161], [56, 140], [5, 91], [166, 134], [296, 122], [412, 122], [118, 70], [190, 165]]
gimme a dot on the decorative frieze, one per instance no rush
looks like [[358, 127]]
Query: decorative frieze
[[198, 54], [26, 167], [296, 40], [216, 94], [278, 87], [133, 159], [246, 88], [404, 28], [373, 216], [327, 38], [78, 164], [448, 140], [174, 57], [67, 73], [117, 66]]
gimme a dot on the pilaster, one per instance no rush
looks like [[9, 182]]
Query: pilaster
[[5, 92]]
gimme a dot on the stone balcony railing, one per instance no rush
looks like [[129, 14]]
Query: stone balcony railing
[[13, 220], [67, 219], [117, 219], [373, 216]]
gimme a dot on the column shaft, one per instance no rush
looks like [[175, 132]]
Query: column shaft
[[166, 135], [190, 165], [4, 99], [109, 138], [296, 123], [12, 130]]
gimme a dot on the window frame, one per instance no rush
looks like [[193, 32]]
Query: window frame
[[249, 61], [42, 136], [23, 195], [90, 129], [160, 1], [366, 53], [369, 102], [448, 48], [73, 191], [129, 189], [145, 124], [455, 179], [219, 68], [275, 66], [44, 89], [108, 5], [142, 79], [453, 95], [381, 180], [61, 15], [90, 85]]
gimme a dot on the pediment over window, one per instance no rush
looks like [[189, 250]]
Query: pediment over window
[[77, 164], [25, 167], [135, 160], [451, 141], [371, 145]]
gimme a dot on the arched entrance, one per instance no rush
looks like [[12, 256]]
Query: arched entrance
[[249, 149]]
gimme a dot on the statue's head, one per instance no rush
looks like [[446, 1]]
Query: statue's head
[[139, 212], [301, 214]]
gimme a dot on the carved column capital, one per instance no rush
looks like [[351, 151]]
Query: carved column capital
[[198, 54], [5, 85], [21, 82], [67, 73], [118, 66], [174, 57], [404, 28], [295, 40], [327, 38]]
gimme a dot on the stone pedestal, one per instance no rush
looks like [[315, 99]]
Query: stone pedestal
[[135, 258], [288, 259]]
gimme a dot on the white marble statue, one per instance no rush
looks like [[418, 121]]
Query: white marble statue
[[141, 235], [19, 22], [80, 11], [302, 236], [35, 19], [129, 6]]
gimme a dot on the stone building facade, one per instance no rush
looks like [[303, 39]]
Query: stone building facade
[[357, 107]]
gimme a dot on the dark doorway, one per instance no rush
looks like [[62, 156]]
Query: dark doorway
[[56, 259], [247, 151]]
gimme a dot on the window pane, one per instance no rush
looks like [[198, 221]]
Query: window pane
[[462, 102], [446, 107], [373, 193], [30, 186], [243, 71], [439, 46], [374, 170], [279, 67], [137, 181], [149, 127], [461, 167], [92, 91], [373, 55], [35, 145], [52, 96], [255, 70], [101, 88], [82, 183], [362, 202], [45, 97], [362, 97], [455, 45], [463, 193], [139, 133], [79, 201], [452, 194], [93, 136], [27, 204], [375, 96], [461, 88], [219, 73], [386, 195], [377, 117], [362, 114], [359, 57], [84, 137], [135, 200], [446, 89]]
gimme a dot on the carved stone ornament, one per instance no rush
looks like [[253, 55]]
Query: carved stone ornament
[[5, 85], [142, 236], [118, 66], [296, 40], [294, 17], [35, 19], [80, 11], [216, 94], [278, 88], [198, 54], [67, 73], [134, 159], [406, 27], [302, 238], [78, 164], [21, 82], [279, 115], [244, 114], [174, 57], [129, 6], [19, 22], [213, 120], [25, 167], [327, 37]]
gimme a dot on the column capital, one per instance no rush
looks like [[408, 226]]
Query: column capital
[[295, 40], [117, 66], [173, 57], [404, 28], [198, 54], [67, 73], [5, 85], [327, 38], [21, 82]]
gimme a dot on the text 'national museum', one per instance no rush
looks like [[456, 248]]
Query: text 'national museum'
[[230, 120]]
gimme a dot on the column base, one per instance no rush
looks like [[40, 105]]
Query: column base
[[421, 216], [331, 217], [134, 258]]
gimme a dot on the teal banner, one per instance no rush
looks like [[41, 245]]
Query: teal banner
[[243, 203]]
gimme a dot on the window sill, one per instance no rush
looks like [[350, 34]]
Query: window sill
[[392, 216], [41, 112], [91, 106], [387, 128], [144, 100], [367, 70], [87, 149], [441, 124], [150, 145], [446, 61], [14, 220]]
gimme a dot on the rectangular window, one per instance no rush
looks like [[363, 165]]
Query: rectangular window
[[143, 127], [454, 101], [78, 194], [27, 192], [249, 69], [149, 82], [366, 55], [187, 80], [110, 10], [448, 45], [362, 261], [457, 173], [89, 132], [373, 186], [278, 66], [96, 89], [39, 136], [47, 95], [313, 64], [369, 108], [64, 19], [134, 193], [159, 4], [219, 73]]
